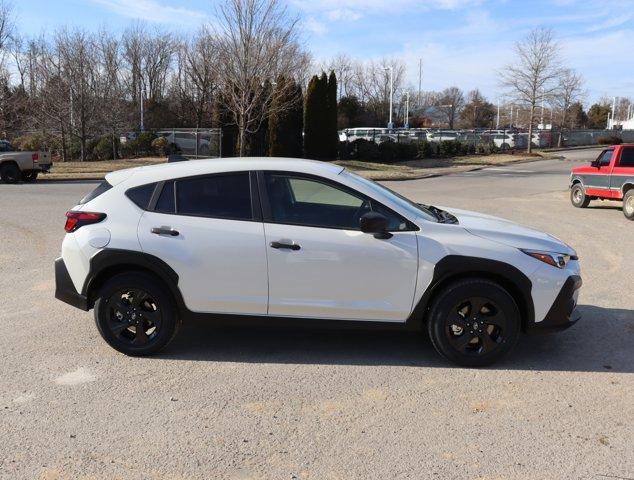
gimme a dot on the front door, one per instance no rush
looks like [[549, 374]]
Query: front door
[[321, 265], [207, 229], [597, 182]]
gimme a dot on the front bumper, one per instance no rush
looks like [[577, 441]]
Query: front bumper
[[64, 288], [563, 313]]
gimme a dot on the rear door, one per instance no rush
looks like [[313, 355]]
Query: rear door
[[321, 265], [623, 171], [209, 230]]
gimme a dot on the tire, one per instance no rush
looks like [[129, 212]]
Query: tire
[[29, 175], [628, 204], [132, 300], [10, 173], [460, 339], [578, 196], [505, 147]]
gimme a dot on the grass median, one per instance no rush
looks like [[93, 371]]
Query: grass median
[[403, 170]]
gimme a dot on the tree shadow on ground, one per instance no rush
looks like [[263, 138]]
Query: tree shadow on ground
[[602, 341]]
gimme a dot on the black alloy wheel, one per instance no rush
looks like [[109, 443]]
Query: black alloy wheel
[[474, 322], [134, 317], [475, 326], [135, 313]]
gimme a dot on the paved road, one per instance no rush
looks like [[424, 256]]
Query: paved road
[[320, 405]]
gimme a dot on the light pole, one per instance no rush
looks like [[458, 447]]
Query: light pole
[[406, 123], [142, 95], [391, 69], [497, 120]]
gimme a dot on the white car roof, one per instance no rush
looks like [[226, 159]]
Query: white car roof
[[166, 171]]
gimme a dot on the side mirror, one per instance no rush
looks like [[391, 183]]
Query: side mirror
[[375, 223], [595, 163]]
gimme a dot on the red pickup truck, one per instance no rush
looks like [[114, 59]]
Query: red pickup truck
[[609, 177]]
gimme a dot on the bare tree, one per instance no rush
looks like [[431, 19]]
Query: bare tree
[[569, 91], [534, 74], [257, 42], [450, 103]]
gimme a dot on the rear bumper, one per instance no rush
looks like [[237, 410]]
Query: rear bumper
[[563, 313], [45, 167], [64, 288]]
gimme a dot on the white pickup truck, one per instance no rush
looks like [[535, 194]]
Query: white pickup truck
[[21, 166]]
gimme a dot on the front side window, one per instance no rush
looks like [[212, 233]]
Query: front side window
[[218, 196], [605, 158], [311, 202], [627, 157]]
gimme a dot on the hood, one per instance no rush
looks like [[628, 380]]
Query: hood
[[508, 233]]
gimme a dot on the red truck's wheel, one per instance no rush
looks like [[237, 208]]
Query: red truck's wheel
[[628, 205], [578, 197]]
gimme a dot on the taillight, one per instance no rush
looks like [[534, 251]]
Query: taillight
[[35, 157], [74, 219]]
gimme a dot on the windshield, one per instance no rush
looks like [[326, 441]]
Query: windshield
[[415, 209]]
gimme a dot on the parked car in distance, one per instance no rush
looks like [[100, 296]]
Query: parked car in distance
[[609, 177], [305, 242], [188, 143], [18, 166], [442, 135]]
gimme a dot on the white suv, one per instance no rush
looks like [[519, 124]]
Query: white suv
[[261, 239]]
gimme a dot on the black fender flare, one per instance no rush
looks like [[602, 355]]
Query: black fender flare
[[111, 261], [456, 267]]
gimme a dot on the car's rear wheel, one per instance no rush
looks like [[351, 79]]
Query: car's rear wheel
[[474, 322], [29, 175], [10, 173], [628, 204], [135, 314], [578, 196]]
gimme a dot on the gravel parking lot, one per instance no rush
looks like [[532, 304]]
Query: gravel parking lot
[[284, 404]]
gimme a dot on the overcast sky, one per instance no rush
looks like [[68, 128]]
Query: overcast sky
[[461, 42]]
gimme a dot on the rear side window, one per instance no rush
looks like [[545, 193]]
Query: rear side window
[[101, 188], [218, 196], [141, 195], [165, 203], [627, 157]]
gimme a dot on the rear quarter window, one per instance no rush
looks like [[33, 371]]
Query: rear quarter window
[[103, 187], [141, 195]]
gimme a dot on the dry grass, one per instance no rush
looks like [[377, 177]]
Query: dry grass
[[377, 171], [85, 170]]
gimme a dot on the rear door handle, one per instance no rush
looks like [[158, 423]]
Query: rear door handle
[[165, 231], [289, 246]]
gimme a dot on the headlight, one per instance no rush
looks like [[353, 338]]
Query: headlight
[[559, 260]]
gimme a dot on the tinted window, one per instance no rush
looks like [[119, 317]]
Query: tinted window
[[311, 202], [101, 188], [627, 157], [141, 195], [218, 196], [605, 158], [165, 203]]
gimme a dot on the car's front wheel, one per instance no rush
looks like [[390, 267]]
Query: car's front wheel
[[474, 322], [578, 196], [628, 204], [135, 314]]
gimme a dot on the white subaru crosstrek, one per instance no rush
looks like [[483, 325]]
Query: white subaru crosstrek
[[255, 240]]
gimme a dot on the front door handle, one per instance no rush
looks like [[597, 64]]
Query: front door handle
[[289, 246], [165, 231]]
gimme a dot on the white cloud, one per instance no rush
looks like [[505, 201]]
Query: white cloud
[[315, 26], [153, 11], [344, 14]]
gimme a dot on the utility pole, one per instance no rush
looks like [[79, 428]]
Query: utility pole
[[391, 69], [497, 120], [420, 83], [613, 112], [406, 123], [541, 116], [142, 95]]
